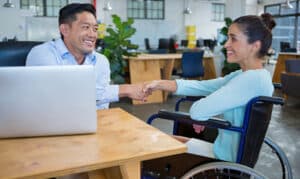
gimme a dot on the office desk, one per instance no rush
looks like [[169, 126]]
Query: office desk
[[280, 65], [148, 67], [116, 150]]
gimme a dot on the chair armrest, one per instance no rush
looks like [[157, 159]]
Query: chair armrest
[[268, 99], [291, 73], [194, 98], [183, 117], [277, 85]]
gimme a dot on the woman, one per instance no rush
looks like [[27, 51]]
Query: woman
[[249, 39]]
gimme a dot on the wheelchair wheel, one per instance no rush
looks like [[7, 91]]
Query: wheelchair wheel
[[223, 170]]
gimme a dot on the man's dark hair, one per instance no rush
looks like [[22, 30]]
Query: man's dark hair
[[67, 14]]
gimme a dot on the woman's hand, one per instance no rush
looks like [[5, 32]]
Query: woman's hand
[[151, 86], [198, 128], [165, 85]]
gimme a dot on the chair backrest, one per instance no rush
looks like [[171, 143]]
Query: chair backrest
[[290, 79], [290, 84], [191, 64], [256, 120], [184, 43], [163, 43], [199, 43], [172, 44], [292, 65], [158, 51], [209, 43], [147, 44], [15, 53], [284, 46]]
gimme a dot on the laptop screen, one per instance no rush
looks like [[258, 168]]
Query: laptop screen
[[47, 100]]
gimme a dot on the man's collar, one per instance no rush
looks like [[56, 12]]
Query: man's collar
[[61, 47]]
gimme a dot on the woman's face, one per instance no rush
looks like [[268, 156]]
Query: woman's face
[[237, 46]]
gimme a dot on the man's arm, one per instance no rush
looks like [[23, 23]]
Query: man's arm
[[133, 91]]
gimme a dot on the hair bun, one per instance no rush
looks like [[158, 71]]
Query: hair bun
[[268, 20]]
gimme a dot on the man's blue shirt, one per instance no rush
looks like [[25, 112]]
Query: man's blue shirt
[[56, 53]]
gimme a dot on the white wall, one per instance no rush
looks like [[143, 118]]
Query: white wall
[[21, 23], [25, 27], [173, 24], [12, 22]]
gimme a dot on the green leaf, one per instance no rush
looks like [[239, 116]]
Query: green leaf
[[117, 42]]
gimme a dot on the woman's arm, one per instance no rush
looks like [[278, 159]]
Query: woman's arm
[[165, 85]]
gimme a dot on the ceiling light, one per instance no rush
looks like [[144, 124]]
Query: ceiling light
[[107, 7], [8, 4], [287, 5], [187, 11]]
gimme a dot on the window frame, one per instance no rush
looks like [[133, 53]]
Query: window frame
[[144, 11], [296, 14], [42, 8], [218, 15]]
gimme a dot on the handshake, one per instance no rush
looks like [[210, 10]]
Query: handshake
[[140, 91], [143, 90]]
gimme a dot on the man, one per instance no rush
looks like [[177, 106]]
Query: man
[[78, 29]]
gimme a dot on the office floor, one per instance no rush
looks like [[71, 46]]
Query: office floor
[[284, 129]]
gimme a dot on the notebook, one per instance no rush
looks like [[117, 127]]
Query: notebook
[[47, 100]]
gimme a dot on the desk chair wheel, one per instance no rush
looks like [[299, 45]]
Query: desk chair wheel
[[223, 169]]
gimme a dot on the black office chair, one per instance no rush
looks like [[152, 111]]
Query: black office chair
[[284, 46], [172, 44], [163, 43], [199, 43], [209, 43], [290, 78], [192, 65], [158, 51], [15, 53], [257, 116], [292, 65], [147, 44], [184, 43]]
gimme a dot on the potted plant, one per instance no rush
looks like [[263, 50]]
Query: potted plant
[[227, 67], [116, 46]]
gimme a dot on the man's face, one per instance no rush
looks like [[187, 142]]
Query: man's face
[[80, 36]]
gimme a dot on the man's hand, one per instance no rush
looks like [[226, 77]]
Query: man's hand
[[133, 91], [165, 85]]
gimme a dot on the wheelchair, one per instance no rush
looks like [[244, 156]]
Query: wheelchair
[[252, 136]]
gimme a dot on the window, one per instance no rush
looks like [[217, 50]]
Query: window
[[287, 24], [146, 9], [43, 7], [218, 12]]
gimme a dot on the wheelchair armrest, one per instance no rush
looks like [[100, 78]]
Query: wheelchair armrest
[[273, 100], [183, 117], [194, 98]]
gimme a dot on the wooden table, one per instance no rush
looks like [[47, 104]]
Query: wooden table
[[115, 151], [148, 67], [280, 65]]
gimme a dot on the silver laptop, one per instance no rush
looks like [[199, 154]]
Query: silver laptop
[[47, 100]]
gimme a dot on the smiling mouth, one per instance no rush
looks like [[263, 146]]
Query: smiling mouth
[[89, 42], [229, 53]]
